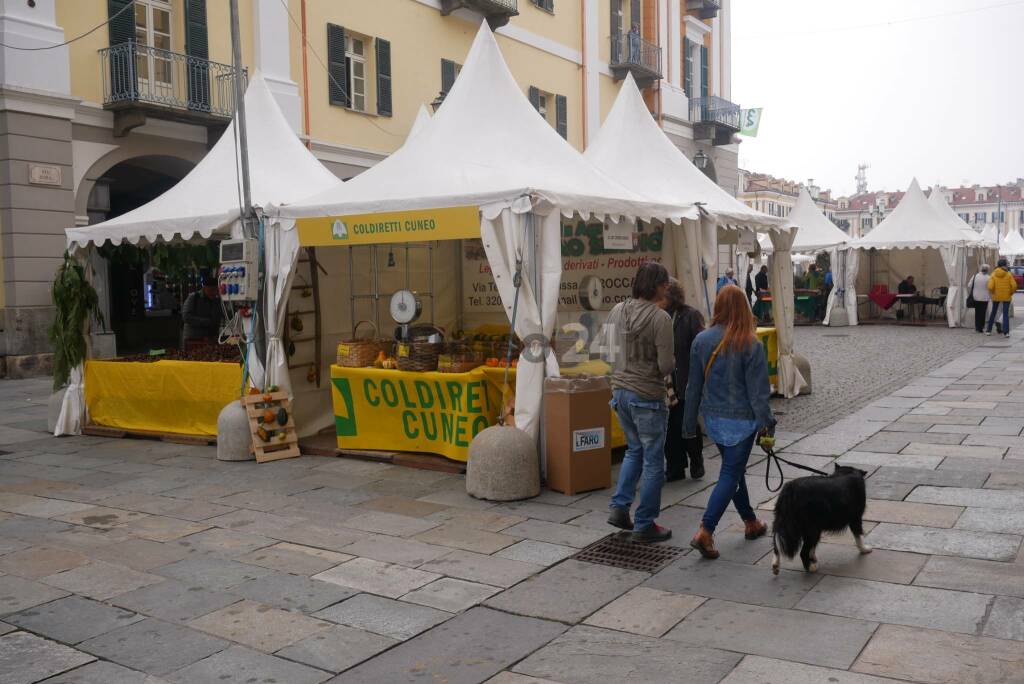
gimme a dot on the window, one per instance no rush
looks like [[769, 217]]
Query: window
[[1022, 216], [350, 66], [979, 217], [704, 80], [981, 197], [355, 61], [687, 67], [153, 30], [546, 5], [544, 103], [865, 224], [449, 72]]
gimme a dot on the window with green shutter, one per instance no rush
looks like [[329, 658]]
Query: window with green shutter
[[704, 71], [547, 5], [449, 70], [688, 67], [122, 62], [534, 95], [197, 45], [561, 116], [337, 71], [383, 77]]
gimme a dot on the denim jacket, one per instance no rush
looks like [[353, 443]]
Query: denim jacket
[[737, 385]]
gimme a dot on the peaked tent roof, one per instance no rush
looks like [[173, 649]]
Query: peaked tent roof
[[486, 145], [207, 199], [422, 119], [913, 224], [942, 208], [816, 231], [1012, 244], [633, 149]]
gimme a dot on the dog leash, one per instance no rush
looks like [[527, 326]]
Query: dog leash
[[767, 444]]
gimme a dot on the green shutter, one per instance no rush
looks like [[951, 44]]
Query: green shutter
[[534, 95], [383, 76], [197, 45], [703, 71], [561, 116], [122, 62], [616, 20], [337, 73], [687, 67], [634, 14], [549, 5], [447, 75]]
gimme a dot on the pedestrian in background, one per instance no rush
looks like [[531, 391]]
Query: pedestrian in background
[[728, 279], [728, 385], [687, 323], [750, 288], [1002, 286], [638, 334], [979, 297]]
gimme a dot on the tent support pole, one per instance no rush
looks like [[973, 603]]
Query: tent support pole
[[240, 122]]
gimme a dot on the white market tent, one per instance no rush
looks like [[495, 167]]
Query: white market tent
[[205, 203], [817, 233], [485, 147], [633, 149], [941, 207], [913, 240], [1012, 245]]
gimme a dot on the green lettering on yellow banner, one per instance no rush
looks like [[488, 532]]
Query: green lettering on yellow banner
[[416, 225]]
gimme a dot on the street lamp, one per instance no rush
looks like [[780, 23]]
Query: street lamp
[[700, 160], [436, 104]]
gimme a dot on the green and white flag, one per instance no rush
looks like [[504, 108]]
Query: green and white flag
[[750, 119]]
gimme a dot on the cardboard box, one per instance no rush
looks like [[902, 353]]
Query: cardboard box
[[577, 431]]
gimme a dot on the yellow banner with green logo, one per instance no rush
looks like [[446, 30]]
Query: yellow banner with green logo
[[417, 225], [392, 410], [769, 339]]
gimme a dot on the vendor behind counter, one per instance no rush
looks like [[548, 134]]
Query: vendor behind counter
[[202, 312]]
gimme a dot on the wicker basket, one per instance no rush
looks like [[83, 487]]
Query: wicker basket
[[361, 352], [418, 356], [458, 358]]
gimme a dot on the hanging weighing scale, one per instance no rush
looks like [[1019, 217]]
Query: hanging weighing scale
[[405, 308]]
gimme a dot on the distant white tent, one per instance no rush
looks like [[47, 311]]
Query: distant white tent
[[917, 240], [1012, 245], [816, 233], [942, 208]]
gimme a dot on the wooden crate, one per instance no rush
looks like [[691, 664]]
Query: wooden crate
[[273, 450]]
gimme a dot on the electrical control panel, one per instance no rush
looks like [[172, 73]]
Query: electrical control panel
[[238, 279]]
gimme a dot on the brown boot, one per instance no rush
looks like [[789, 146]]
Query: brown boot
[[705, 544], [754, 529]]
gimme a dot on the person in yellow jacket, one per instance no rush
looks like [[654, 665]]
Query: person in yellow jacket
[[1002, 286]]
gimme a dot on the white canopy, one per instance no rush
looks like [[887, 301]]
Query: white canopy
[[942, 208], [422, 119], [913, 224], [1012, 244], [206, 201], [486, 146], [816, 232]]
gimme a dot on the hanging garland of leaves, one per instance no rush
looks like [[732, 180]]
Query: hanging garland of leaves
[[174, 261], [75, 300]]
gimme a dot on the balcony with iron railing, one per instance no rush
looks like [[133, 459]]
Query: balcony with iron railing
[[715, 119], [632, 54], [707, 9], [141, 81], [497, 12]]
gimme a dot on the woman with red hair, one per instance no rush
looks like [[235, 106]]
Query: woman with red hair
[[728, 385]]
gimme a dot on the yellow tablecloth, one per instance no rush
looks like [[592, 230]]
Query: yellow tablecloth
[[769, 338], [183, 397]]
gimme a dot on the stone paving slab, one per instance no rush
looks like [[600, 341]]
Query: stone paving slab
[[155, 647], [140, 554], [466, 538], [36, 562], [1005, 481], [917, 448], [318, 536], [394, 619], [243, 665], [887, 489], [104, 672], [897, 604], [17, 594], [567, 592], [1006, 621], [292, 592], [539, 511], [789, 634], [477, 567], [992, 520], [224, 542], [946, 542], [211, 572], [101, 517], [555, 533], [175, 601], [585, 654], [537, 552], [384, 579], [645, 611], [451, 595], [929, 515], [870, 458], [477, 519], [1011, 464], [973, 575], [337, 649], [258, 625], [733, 582], [72, 619], [407, 552], [295, 558], [846, 560], [935, 657], [928, 476], [759, 670], [977, 498], [389, 523], [26, 658], [513, 678]]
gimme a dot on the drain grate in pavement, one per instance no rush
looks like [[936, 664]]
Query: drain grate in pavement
[[618, 551]]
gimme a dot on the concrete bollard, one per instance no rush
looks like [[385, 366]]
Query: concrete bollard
[[503, 465], [234, 441], [804, 366]]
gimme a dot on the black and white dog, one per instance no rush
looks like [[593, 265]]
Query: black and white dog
[[808, 506]]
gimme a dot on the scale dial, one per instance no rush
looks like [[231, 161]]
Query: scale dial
[[405, 307]]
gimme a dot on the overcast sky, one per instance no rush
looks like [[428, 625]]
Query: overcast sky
[[939, 98]]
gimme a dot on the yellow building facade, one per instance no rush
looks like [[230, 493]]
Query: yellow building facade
[[106, 123]]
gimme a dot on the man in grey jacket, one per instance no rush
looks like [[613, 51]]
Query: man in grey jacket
[[638, 343]]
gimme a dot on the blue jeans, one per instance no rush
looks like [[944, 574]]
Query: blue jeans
[[644, 421], [731, 485], [996, 306]]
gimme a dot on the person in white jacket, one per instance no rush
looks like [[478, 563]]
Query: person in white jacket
[[978, 288]]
